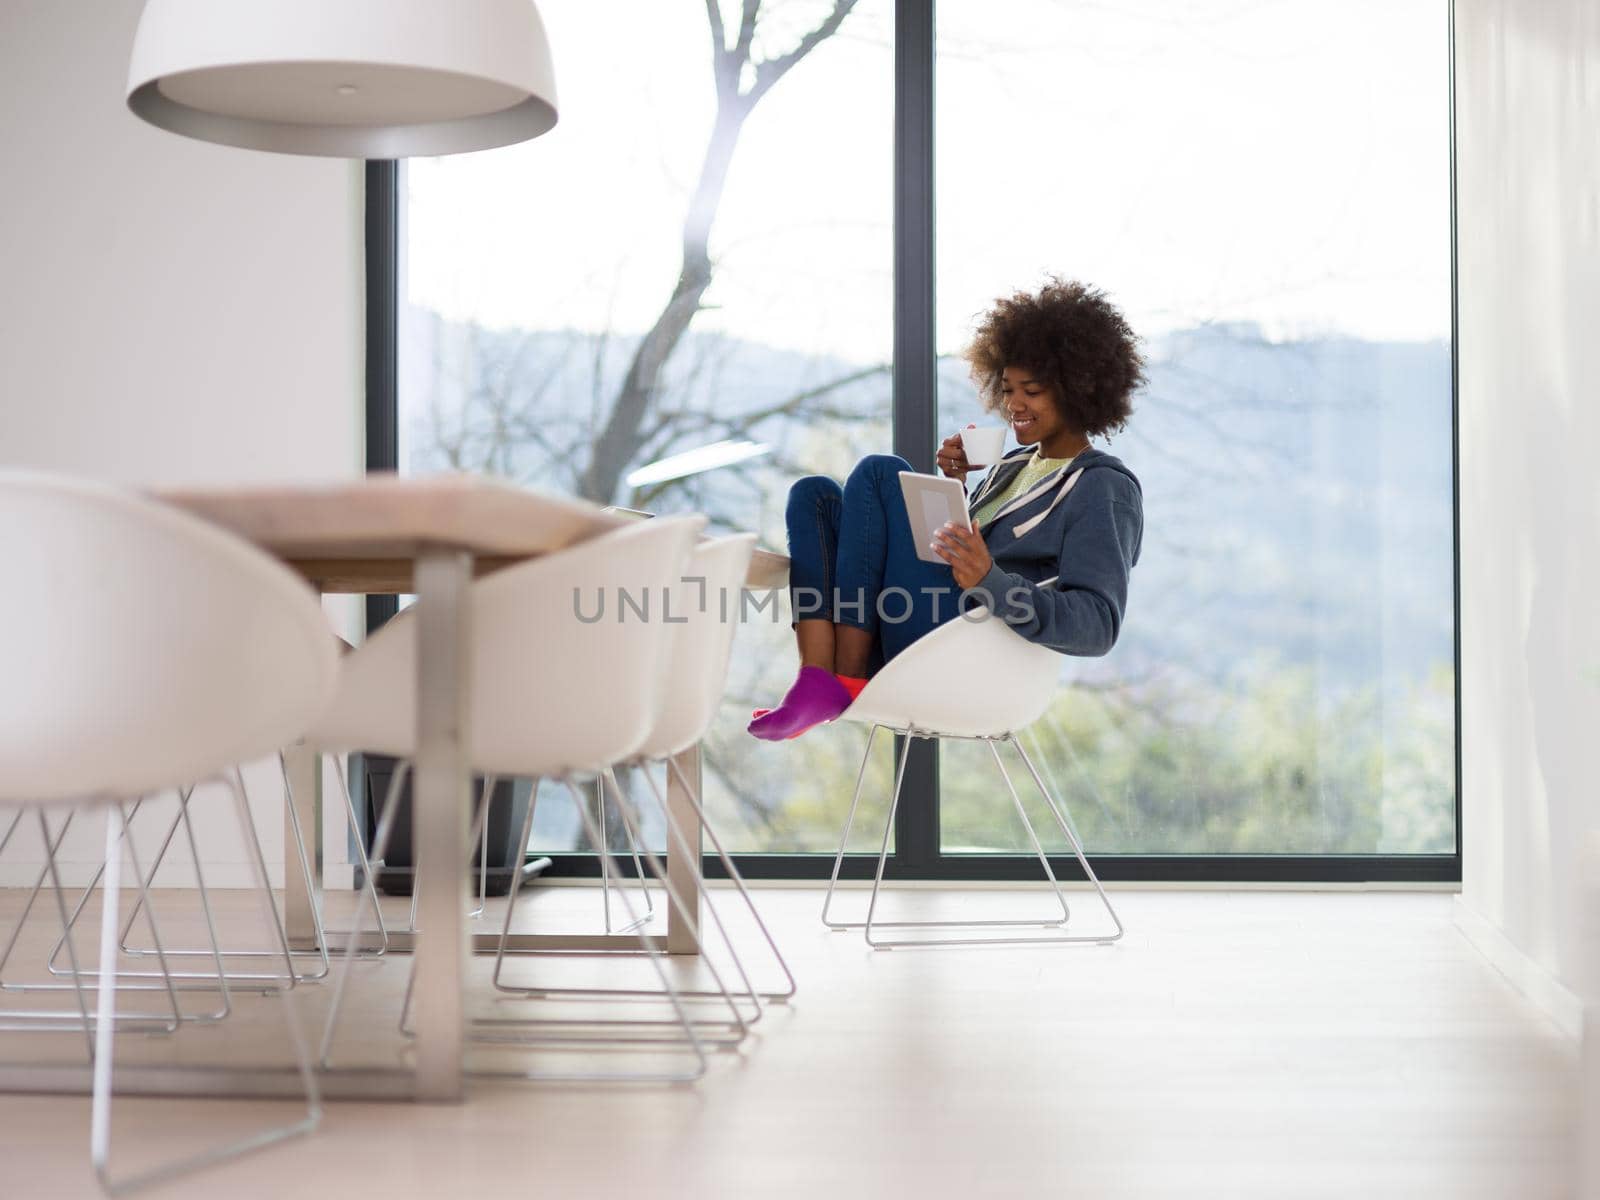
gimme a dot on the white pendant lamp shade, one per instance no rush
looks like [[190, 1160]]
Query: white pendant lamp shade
[[345, 78]]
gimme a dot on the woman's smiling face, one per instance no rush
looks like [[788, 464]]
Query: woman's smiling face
[[1029, 404]]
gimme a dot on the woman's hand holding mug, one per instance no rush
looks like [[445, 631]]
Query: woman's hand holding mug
[[952, 458]]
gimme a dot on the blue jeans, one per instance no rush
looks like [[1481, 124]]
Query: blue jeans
[[853, 561]]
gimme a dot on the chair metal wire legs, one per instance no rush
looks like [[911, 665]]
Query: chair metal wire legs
[[788, 990], [204, 980], [605, 875], [321, 933], [1059, 812], [691, 1040], [380, 845], [479, 834], [201, 981], [47, 1021], [282, 950], [871, 923], [105, 1028], [369, 879], [575, 1037], [737, 1025]]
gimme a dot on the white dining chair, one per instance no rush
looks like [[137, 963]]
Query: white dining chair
[[975, 679], [692, 685], [144, 650], [478, 835], [565, 673]]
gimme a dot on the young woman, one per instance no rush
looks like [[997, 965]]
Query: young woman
[[1056, 523]]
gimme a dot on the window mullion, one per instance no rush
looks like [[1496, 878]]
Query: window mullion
[[915, 360]]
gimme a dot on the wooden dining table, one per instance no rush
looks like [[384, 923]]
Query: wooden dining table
[[432, 537]]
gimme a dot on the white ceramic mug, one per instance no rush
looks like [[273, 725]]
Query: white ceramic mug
[[984, 447]]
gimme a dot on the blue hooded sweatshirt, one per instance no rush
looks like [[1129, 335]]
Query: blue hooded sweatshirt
[[1063, 551]]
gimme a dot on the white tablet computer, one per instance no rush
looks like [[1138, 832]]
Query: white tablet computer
[[931, 502]]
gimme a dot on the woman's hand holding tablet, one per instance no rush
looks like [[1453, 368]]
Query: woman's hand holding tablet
[[932, 502]]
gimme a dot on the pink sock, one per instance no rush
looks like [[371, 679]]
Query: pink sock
[[852, 684], [817, 696]]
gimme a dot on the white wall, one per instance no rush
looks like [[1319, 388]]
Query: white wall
[[1528, 147], [171, 312]]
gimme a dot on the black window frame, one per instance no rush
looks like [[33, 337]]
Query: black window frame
[[917, 853]]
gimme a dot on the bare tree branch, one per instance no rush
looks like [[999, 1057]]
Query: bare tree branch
[[619, 439], [719, 39], [683, 423], [747, 29], [774, 69]]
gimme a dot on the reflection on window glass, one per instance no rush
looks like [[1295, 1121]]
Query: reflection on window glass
[[661, 273], [1276, 224]]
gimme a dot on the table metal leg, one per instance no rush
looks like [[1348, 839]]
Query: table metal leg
[[684, 874], [303, 768], [439, 814]]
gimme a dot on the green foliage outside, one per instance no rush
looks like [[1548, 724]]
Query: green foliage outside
[[1272, 766]]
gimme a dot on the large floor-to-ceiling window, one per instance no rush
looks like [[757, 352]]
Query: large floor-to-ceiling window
[[698, 267], [1265, 189]]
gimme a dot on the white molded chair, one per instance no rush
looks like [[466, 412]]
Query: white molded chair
[[979, 680], [555, 693], [690, 691], [144, 650]]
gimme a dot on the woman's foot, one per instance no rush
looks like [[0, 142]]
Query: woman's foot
[[852, 684], [817, 696]]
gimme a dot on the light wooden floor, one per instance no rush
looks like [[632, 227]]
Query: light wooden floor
[[1233, 1045]]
